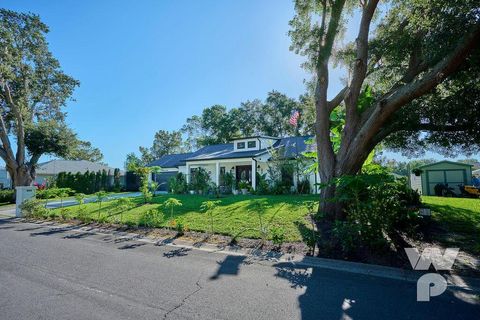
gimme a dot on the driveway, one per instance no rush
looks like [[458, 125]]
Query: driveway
[[47, 272]]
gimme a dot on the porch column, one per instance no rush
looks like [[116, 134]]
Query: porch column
[[254, 174], [188, 172], [217, 173]]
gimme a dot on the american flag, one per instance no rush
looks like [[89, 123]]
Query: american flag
[[294, 118]]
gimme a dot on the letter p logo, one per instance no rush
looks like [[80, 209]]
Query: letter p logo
[[430, 285]]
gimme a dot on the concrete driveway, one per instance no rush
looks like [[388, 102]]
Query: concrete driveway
[[48, 272]]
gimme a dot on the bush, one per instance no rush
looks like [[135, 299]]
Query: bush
[[178, 184], [54, 193], [7, 196], [200, 180], [151, 218], [303, 187], [377, 205], [34, 208]]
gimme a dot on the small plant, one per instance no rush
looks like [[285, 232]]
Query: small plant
[[61, 195], [170, 204], [100, 197], [278, 235], [80, 197], [153, 187], [64, 213], [151, 218], [33, 208], [83, 215], [208, 207], [123, 204], [259, 207]]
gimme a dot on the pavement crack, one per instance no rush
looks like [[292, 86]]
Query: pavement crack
[[184, 300]]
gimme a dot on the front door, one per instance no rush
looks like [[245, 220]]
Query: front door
[[243, 173]]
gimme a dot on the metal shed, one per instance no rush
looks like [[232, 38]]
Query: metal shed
[[445, 172]]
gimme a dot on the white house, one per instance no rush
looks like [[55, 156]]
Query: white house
[[50, 169], [243, 157]]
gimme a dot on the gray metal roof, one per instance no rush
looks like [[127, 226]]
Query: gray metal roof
[[54, 167], [171, 160], [288, 147]]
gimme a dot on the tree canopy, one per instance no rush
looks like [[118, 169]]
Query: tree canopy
[[412, 78], [33, 92]]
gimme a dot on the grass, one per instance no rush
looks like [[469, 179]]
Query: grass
[[232, 217], [459, 219]]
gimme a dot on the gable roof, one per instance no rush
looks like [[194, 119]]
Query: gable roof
[[56, 166], [289, 147], [446, 161]]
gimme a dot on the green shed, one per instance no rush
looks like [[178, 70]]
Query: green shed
[[445, 172]]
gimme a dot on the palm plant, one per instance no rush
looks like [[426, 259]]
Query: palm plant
[[208, 207], [171, 203]]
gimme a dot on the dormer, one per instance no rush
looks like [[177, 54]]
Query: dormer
[[253, 143]]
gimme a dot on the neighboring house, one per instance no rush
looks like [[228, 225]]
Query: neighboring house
[[443, 172], [242, 157], [5, 181], [47, 171]]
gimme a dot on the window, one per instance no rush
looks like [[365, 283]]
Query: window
[[240, 145], [252, 144]]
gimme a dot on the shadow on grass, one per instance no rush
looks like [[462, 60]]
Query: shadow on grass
[[453, 226]]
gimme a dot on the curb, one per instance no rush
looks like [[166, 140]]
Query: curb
[[456, 282]]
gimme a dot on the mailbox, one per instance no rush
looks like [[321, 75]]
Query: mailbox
[[23, 194]]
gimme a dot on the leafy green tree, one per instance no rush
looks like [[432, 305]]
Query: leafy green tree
[[420, 55], [83, 150], [33, 92]]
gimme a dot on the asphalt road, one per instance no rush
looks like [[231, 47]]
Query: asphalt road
[[52, 273]]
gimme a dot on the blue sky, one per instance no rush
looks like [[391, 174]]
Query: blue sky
[[148, 65]]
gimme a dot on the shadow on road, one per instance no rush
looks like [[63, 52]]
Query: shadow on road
[[332, 294], [229, 266], [131, 246], [180, 252]]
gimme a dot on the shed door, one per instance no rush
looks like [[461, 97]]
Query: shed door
[[451, 177]]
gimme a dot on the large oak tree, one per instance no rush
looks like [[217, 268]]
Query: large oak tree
[[412, 75], [33, 92]]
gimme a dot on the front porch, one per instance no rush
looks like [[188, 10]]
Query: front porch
[[241, 169]]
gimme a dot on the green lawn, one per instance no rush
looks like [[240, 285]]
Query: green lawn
[[459, 219], [231, 217]]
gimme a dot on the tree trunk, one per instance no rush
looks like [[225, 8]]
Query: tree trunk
[[23, 175]]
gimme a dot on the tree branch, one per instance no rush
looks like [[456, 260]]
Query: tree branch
[[332, 104], [20, 125], [388, 105]]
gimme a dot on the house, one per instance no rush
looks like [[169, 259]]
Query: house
[[47, 171], [444, 172], [5, 180], [243, 158]]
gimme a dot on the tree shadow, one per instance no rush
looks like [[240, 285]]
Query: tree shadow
[[53, 231], [229, 266], [131, 246], [329, 294], [180, 252], [79, 235]]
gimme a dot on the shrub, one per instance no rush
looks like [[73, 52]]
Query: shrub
[[200, 180], [377, 205], [262, 184], [303, 187], [7, 196], [34, 208], [347, 234], [151, 218], [228, 182], [178, 184], [54, 193]]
